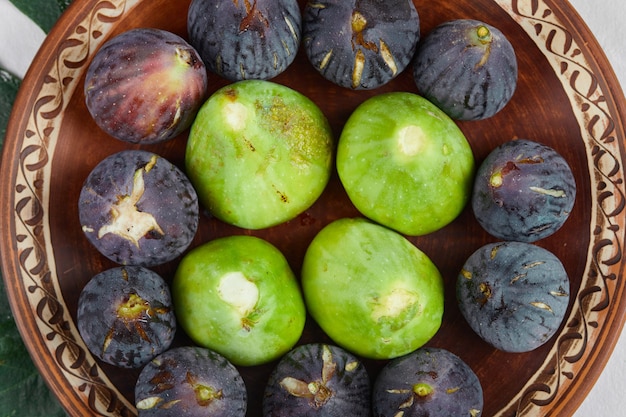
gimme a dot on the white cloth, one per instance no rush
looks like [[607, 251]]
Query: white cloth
[[20, 39]]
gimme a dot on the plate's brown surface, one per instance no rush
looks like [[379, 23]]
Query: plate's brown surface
[[567, 97]]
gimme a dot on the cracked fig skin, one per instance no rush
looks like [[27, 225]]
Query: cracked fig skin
[[360, 45], [523, 191], [125, 316], [244, 40], [318, 379], [137, 208], [514, 295], [190, 381], [427, 382]]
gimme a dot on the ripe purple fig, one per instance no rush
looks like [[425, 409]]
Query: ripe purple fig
[[523, 191], [145, 86], [467, 68], [137, 208], [360, 45], [125, 316], [189, 381], [514, 295], [245, 40], [427, 382], [315, 380]]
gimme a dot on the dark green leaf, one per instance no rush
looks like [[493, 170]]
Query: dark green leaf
[[9, 84], [44, 13], [22, 390]]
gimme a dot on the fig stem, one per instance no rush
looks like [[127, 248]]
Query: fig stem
[[484, 38], [133, 308], [484, 34], [358, 22], [207, 394], [495, 180], [422, 390]]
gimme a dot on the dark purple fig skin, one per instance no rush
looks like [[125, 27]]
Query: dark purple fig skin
[[137, 208], [468, 76], [514, 295], [192, 382], [381, 34], [244, 40], [145, 86], [318, 380], [125, 316], [427, 382], [523, 191]]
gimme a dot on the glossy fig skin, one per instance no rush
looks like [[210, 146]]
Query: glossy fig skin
[[467, 68], [243, 40], [371, 290], [427, 382], [249, 143], [145, 86], [405, 164], [514, 295], [238, 296], [190, 381], [137, 208], [360, 45], [125, 316], [318, 380], [523, 191]]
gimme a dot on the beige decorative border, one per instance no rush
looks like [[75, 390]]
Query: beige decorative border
[[603, 270], [32, 184]]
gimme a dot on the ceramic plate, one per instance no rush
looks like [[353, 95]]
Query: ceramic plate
[[567, 97]]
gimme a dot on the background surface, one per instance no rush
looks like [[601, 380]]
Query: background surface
[[20, 39]]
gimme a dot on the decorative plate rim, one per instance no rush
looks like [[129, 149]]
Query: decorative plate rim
[[31, 278]]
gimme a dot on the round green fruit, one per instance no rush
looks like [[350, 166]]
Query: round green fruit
[[405, 164], [371, 290], [238, 296], [259, 154]]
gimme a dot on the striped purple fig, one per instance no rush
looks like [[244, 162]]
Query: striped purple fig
[[145, 86], [467, 68]]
